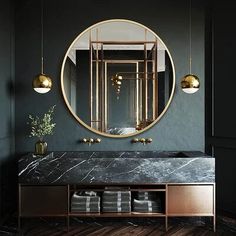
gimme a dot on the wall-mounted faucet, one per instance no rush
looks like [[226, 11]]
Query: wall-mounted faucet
[[142, 140], [90, 141]]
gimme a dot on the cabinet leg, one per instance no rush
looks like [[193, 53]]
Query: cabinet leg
[[214, 223], [166, 223]]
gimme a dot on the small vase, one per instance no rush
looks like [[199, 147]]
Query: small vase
[[40, 147]]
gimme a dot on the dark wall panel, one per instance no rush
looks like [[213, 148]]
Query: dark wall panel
[[7, 174], [220, 97], [182, 127], [224, 61], [225, 179]]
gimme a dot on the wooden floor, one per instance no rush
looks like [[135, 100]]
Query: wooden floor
[[118, 227]]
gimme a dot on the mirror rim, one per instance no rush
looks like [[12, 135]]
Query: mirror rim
[[77, 117]]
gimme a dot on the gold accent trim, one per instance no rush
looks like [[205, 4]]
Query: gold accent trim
[[87, 126]]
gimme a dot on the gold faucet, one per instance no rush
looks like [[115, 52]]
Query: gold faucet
[[90, 141], [142, 140]]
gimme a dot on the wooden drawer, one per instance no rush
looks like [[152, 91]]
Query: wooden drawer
[[43, 200], [187, 200]]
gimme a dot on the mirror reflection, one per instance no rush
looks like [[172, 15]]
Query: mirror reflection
[[117, 78]]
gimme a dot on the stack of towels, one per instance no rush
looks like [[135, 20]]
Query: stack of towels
[[147, 202], [116, 200], [85, 201]]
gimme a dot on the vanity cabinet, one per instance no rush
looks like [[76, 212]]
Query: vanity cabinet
[[190, 200], [176, 200], [43, 200], [186, 184]]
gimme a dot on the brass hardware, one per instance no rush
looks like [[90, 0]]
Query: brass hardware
[[148, 140], [84, 140], [97, 140], [142, 140], [135, 140], [190, 83], [90, 141]]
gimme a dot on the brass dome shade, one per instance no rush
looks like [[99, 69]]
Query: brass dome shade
[[190, 83], [42, 83]]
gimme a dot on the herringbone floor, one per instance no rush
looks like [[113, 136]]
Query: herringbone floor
[[120, 227]]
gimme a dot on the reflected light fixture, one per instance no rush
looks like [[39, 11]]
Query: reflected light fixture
[[190, 83], [42, 83]]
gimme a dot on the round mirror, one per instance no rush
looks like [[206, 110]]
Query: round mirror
[[117, 78]]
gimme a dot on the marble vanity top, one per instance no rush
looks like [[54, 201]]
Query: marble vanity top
[[116, 167]]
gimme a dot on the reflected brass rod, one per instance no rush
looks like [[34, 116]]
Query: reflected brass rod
[[140, 78], [124, 42], [122, 61], [137, 95], [91, 79], [154, 66], [146, 83], [156, 81], [102, 90], [97, 82], [105, 97], [130, 72]]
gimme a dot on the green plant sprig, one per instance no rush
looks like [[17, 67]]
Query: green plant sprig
[[41, 127]]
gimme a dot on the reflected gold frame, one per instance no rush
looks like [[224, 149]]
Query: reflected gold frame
[[68, 104]]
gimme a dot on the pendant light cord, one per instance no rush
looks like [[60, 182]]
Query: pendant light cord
[[190, 38], [42, 37]]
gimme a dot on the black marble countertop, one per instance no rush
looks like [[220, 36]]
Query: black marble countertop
[[116, 167]]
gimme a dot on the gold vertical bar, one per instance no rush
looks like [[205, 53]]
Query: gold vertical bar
[[166, 208], [145, 77], [91, 80], [102, 89], [105, 97], [97, 84], [156, 79], [154, 82], [141, 105], [137, 94]]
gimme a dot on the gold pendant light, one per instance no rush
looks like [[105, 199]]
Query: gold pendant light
[[190, 83], [42, 83]]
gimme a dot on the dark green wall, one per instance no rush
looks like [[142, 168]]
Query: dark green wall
[[182, 127], [220, 100], [7, 170]]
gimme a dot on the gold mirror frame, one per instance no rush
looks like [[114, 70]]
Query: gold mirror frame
[[83, 123]]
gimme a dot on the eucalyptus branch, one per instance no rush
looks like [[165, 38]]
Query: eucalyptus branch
[[41, 127]]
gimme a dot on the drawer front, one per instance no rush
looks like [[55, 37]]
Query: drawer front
[[43, 200], [190, 200]]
